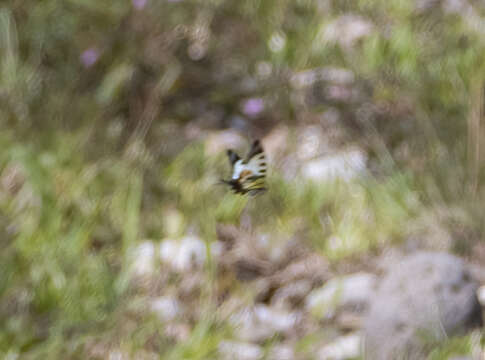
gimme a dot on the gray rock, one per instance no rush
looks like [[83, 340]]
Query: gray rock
[[352, 292], [425, 298]]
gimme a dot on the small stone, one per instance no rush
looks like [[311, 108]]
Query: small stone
[[344, 347], [143, 258], [166, 307], [347, 30], [278, 320], [232, 350], [281, 352], [349, 292], [186, 254], [262, 322], [118, 355], [169, 250], [192, 253]]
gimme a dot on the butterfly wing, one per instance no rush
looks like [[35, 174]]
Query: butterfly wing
[[252, 177], [248, 175], [255, 149], [235, 161], [233, 157], [256, 160]]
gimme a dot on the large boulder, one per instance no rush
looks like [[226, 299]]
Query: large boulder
[[425, 298]]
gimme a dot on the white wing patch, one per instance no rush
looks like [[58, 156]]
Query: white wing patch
[[256, 165], [238, 169]]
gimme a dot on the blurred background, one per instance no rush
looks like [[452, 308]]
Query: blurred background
[[116, 242]]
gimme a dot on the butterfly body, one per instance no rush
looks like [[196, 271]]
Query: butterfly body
[[248, 175]]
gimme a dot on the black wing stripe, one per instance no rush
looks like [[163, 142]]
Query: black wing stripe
[[233, 157], [256, 149], [254, 177]]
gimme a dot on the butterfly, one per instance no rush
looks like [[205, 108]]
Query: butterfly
[[248, 175]]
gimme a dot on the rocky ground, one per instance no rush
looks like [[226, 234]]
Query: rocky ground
[[395, 303], [283, 299], [118, 242]]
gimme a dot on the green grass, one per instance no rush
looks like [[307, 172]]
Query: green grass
[[72, 223], [98, 158]]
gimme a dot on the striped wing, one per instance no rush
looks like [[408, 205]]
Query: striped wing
[[253, 170], [256, 160], [248, 175]]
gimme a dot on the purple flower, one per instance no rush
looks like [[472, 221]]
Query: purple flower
[[139, 4], [253, 106], [89, 57]]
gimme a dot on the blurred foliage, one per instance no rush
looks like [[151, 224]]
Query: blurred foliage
[[452, 348], [99, 104]]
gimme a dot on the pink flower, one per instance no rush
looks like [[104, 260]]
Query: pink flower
[[89, 57], [253, 106], [139, 4]]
